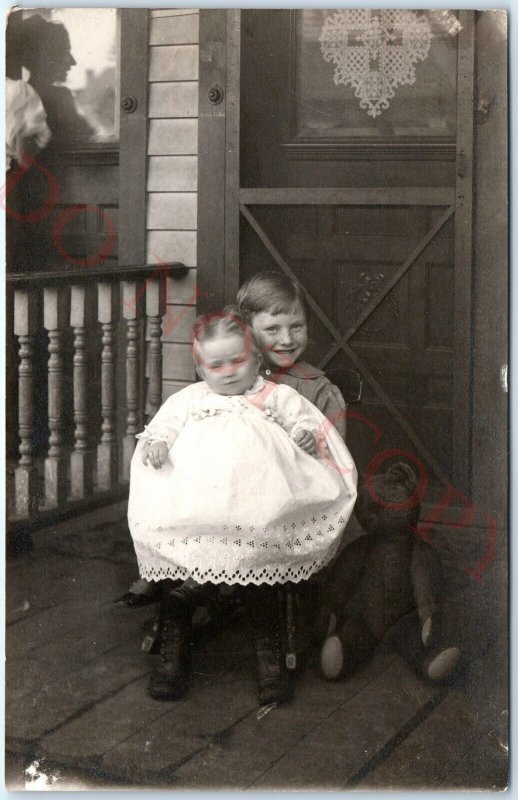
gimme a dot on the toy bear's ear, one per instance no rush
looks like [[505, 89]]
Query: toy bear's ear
[[404, 474]]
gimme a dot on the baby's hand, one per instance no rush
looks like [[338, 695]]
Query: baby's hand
[[306, 441], [155, 454]]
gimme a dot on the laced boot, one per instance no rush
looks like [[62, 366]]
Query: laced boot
[[273, 680], [170, 680], [191, 593]]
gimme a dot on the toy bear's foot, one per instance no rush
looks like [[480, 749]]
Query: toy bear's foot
[[332, 658], [444, 664]]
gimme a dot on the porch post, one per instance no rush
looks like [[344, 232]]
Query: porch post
[[55, 316], [25, 476], [80, 459], [108, 313], [155, 310], [132, 308]]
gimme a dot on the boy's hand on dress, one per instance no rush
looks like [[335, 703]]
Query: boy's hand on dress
[[155, 454], [306, 441]]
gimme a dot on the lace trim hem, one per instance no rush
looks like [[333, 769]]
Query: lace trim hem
[[241, 577]]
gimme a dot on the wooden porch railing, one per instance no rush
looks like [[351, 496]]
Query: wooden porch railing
[[93, 324]]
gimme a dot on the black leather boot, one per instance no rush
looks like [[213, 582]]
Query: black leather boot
[[170, 680], [193, 594], [273, 680]]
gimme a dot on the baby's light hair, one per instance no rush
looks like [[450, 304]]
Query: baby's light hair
[[270, 292], [227, 322]]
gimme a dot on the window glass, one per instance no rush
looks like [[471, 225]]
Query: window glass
[[69, 55], [370, 74]]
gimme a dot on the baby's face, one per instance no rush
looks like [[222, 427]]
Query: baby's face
[[228, 364], [282, 338]]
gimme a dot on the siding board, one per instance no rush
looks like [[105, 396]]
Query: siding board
[[174, 30], [172, 174], [177, 324], [173, 137], [174, 63], [166, 246], [177, 362], [182, 291], [173, 99], [173, 12], [172, 211]]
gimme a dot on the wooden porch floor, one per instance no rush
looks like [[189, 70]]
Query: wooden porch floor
[[76, 701]]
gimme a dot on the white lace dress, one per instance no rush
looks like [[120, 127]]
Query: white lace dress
[[238, 501]]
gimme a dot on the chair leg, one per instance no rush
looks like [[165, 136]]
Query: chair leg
[[298, 612], [290, 623]]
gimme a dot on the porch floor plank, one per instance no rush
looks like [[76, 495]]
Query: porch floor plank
[[484, 767], [154, 753], [334, 752], [35, 584], [48, 707], [255, 744], [83, 741], [121, 716], [78, 641], [59, 601], [417, 762], [108, 541]]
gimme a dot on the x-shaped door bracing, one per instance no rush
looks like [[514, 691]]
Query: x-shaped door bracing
[[341, 341]]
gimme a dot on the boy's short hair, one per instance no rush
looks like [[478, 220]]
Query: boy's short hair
[[221, 323], [272, 292]]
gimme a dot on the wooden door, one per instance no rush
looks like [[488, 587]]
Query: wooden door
[[370, 213]]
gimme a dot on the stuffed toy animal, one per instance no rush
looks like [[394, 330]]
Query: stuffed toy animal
[[387, 585]]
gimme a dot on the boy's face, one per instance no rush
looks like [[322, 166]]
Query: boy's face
[[229, 364], [282, 338]]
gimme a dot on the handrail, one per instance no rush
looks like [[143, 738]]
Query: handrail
[[19, 280]]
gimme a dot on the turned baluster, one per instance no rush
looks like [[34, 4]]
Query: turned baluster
[[155, 310], [108, 313], [132, 308], [25, 476], [55, 317], [81, 457]]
